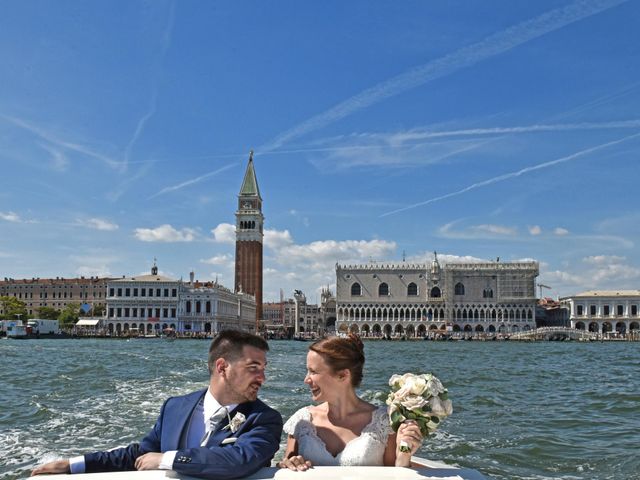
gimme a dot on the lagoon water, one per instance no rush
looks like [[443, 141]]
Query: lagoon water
[[521, 410]]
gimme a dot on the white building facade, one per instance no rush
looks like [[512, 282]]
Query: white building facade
[[417, 300], [149, 304], [605, 311]]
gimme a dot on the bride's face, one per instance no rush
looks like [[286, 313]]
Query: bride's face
[[322, 381]]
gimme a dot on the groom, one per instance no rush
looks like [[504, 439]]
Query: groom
[[222, 432]]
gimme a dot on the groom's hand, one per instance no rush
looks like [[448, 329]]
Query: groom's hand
[[57, 466], [148, 461], [295, 462]]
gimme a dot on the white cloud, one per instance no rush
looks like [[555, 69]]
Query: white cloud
[[495, 229], [10, 217], [225, 233], [223, 259], [535, 230], [603, 259], [99, 224], [277, 239], [560, 231], [596, 272], [165, 233], [93, 271], [476, 231]]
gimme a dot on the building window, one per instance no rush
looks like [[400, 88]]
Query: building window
[[412, 289], [580, 310], [356, 290], [620, 310], [119, 312], [592, 310], [198, 305], [166, 292], [157, 292], [111, 312], [435, 292], [208, 306], [634, 310], [135, 292], [383, 290], [459, 289], [134, 312], [151, 292], [119, 293], [143, 292], [111, 292], [165, 312], [126, 312], [173, 313], [127, 292], [188, 306], [487, 293], [157, 313], [607, 310], [174, 292]]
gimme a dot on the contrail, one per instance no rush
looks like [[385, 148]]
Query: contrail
[[166, 42], [192, 181], [61, 143], [420, 135], [507, 176], [492, 45]]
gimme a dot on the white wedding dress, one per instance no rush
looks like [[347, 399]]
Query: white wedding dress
[[365, 450]]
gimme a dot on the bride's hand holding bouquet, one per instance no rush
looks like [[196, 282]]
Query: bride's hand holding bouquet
[[417, 404]]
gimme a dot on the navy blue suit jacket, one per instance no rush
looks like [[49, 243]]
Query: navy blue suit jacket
[[258, 439]]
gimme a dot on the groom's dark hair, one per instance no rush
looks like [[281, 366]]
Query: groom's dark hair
[[228, 344]]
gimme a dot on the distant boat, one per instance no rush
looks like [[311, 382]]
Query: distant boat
[[16, 331]]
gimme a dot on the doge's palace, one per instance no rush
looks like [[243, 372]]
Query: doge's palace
[[416, 300]]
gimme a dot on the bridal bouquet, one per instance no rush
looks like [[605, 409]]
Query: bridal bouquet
[[420, 398]]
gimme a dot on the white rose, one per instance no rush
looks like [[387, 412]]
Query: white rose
[[419, 386], [413, 402], [394, 381]]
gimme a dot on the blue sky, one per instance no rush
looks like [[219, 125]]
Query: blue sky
[[477, 129]]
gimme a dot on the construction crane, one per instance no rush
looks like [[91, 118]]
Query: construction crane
[[541, 286]]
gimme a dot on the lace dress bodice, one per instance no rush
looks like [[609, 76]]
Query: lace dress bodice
[[364, 450]]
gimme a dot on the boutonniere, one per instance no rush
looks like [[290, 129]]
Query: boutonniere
[[237, 420]]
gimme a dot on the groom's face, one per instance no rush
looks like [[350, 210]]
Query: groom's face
[[245, 376]]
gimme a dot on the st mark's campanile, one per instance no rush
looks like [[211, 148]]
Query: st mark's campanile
[[249, 233]]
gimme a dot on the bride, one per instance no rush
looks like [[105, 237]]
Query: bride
[[343, 429]]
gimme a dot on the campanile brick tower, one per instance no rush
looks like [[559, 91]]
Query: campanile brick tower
[[249, 233]]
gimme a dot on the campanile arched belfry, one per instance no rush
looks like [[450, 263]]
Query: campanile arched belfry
[[249, 234]]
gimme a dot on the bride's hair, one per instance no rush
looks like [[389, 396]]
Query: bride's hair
[[342, 354]]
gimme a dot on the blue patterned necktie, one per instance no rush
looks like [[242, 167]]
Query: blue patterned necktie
[[219, 415]]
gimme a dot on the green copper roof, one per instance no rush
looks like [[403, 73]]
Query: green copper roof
[[250, 184]]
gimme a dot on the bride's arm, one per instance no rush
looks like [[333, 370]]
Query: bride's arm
[[408, 432], [291, 459]]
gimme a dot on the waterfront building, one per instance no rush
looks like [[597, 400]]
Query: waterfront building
[[55, 292], [604, 311], [379, 299], [551, 313], [294, 316], [150, 304], [249, 235]]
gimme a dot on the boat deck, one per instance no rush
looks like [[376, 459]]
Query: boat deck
[[427, 471]]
